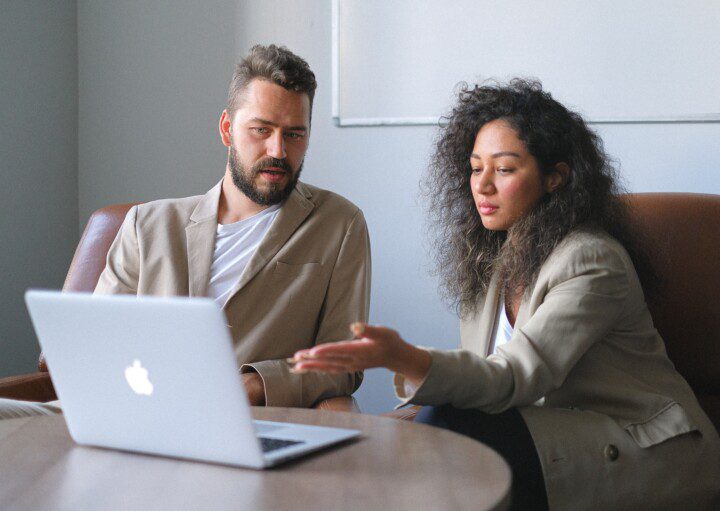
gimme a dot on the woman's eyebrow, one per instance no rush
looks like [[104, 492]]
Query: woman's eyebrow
[[505, 153], [474, 156]]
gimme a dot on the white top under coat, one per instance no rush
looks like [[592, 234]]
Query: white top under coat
[[235, 244]]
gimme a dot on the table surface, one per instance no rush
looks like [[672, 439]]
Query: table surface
[[394, 465]]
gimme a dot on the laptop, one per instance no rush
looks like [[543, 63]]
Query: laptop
[[159, 376]]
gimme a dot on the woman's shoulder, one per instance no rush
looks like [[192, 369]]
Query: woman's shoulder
[[586, 242], [587, 250]]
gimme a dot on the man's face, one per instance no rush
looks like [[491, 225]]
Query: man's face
[[268, 137]]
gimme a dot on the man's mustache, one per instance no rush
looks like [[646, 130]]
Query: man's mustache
[[272, 162]]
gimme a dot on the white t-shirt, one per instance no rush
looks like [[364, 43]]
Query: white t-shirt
[[503, 328], [235, 244]]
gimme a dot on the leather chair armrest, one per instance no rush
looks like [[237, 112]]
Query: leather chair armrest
[[407, 414], [338, 404], [28, 387]]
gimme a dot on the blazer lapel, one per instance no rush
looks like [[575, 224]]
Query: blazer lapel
[[200, 239], [476, 331], [293, 213], [523, 313]]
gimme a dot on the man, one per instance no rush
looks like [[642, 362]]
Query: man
[[288, 262]]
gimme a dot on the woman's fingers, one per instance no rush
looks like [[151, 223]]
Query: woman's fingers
[[327, 355], [325, 366], [370, 349], [304, 361], [331, 348], [379, 333], [342, 348]]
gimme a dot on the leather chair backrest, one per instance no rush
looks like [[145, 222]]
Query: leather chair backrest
[[681, 234], [91, 253]]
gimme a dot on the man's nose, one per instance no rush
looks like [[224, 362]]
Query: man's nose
[[276, 146]]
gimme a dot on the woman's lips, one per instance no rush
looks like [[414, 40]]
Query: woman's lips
[[486, 208]]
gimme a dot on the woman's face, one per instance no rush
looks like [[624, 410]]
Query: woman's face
[[506, 181]]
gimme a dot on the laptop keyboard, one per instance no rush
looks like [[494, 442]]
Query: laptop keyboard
[[271, 444]]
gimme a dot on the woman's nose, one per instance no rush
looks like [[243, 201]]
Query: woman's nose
[[484, 182]]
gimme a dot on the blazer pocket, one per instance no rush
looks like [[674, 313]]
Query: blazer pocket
[[294, 270], [668, 423]]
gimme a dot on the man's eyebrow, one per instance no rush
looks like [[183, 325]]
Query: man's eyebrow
[[274, 124], [474, 156]]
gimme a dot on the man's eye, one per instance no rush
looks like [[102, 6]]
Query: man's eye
[[261, 130], [294, 135]]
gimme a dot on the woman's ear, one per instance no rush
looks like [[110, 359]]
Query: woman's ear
[[558, 177]]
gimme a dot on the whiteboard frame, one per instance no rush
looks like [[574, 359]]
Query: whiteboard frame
[[346, 122]]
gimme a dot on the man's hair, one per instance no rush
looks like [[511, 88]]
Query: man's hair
[[468, 253], [274, 64]]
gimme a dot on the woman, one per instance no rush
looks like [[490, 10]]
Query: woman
[[561, 369]]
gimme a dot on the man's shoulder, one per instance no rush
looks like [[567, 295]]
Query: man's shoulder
[[326, 201], [167, 210]]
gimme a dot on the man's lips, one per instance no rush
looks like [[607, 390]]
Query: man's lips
[[273, 174]]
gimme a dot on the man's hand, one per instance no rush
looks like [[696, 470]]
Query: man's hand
[[254, 388]]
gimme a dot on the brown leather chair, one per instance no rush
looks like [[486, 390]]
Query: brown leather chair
[[682, 236], [84, 272]]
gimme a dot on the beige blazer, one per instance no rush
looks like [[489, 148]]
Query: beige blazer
[[615, 426], [308, 280]]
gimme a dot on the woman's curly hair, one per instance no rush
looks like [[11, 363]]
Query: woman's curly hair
[[467, 253]]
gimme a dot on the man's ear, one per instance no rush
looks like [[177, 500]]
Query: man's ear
[[557, 179], [224, 127]]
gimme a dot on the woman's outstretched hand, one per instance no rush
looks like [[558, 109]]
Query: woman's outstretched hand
[[373, 346]]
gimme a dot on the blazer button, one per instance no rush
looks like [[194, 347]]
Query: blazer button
[[611, 452]]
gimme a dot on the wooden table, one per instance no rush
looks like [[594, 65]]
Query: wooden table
[[395, 465]]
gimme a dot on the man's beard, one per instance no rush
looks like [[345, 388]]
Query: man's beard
[[245, 179]]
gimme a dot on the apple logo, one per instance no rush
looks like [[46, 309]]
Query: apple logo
[[137, 377]]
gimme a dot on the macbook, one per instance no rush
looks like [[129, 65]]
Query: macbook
[[159, 375]]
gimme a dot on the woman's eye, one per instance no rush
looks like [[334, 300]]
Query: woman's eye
[[504, 170], [476, 171]]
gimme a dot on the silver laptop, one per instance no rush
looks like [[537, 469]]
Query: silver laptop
[[159, 376]]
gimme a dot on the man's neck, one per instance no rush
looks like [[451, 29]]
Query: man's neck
[[234, 205]]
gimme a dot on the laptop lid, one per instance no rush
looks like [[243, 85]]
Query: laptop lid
[[148, 374]]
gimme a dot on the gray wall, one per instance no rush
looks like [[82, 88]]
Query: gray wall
[[38, 144], [152, 80]]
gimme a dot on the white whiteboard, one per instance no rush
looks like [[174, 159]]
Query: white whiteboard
[[398, 61]]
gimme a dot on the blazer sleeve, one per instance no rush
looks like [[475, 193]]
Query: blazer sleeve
[[122, 268], [347, 300], [583, 295]]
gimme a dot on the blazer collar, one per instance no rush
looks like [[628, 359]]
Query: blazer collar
[[200, 240]]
